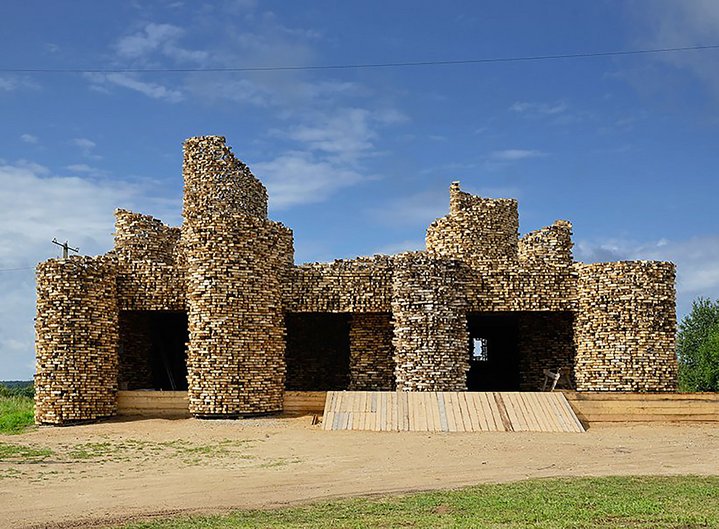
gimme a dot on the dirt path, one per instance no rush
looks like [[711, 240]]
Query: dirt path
[[113, 471]]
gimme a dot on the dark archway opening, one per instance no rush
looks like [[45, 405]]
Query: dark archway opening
[[510, 350], [317, 353], [153, 350]]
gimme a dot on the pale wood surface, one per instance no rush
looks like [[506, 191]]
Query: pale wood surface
[[598, 407], [449, 411]]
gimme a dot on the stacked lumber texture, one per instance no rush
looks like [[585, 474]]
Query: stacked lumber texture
[[545, 341], [134, 366], [150, 263], [371, 352], [76, 340], [479, 231], [353, 285], [317, 351], [505, 273], [236, 263], [430, 323], [610, 325], [625, 327]]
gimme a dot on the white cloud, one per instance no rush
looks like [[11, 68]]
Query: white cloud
[[511, 155], [87, 147], [345, 133], [295, 178], [28, 138], [133, 82], [84, 169], [697, 261], [669, 23], [157, 38], [9, 83], [84, 143], [36, 205], [541, 109]]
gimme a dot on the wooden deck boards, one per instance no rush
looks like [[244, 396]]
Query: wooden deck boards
[[449, 411]]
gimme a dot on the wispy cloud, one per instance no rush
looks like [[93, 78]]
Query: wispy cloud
[[346, 133], [668, 23], [84, 169], [28, 138], [10, 83], [160, 39], [294, 178], [538, 109], [84, 143], [326, 127], [512, 155], [87, 147], [103, 81]]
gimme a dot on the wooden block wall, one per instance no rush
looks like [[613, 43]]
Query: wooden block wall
[[76, 340], [150, 263], [236, 262], [545, 341], [430, 323], [625, 327], [477, 230], [317, 351], [222, 185], [550, 246], [356, 285], [141, 237], [371, 352], [134, 368], [145, 285], [505, 273]]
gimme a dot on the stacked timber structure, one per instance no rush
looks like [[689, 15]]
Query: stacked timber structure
[[218, 308]]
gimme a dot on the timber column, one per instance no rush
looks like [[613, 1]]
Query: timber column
[[236, 262], [625, 327], [429, 312], [76, 337]]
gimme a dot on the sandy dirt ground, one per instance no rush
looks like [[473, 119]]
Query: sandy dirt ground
[[106, 473]]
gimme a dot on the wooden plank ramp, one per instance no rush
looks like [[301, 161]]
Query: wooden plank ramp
[[447, 411]]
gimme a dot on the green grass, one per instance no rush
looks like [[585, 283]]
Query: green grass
[[16, 414], [12, 453], [587, 503]]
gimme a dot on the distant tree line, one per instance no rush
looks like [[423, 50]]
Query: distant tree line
[[698, 347], [17, 389]]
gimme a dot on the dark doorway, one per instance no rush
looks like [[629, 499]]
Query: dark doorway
[[318, 351], [153, 351], [494, 352], [510, 350]]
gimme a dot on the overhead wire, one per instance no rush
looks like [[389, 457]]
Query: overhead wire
[[449, 62]]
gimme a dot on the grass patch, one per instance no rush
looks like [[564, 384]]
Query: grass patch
[[588, 503], [16, 414], [22, 454]]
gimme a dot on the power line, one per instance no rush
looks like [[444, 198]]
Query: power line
[[358, 66], [15, 269]]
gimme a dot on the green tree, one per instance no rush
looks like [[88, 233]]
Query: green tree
[[698, 347]]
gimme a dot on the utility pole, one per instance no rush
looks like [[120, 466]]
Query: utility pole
[[65, 248]]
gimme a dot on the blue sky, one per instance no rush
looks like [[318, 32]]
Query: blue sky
[[359, 161]]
